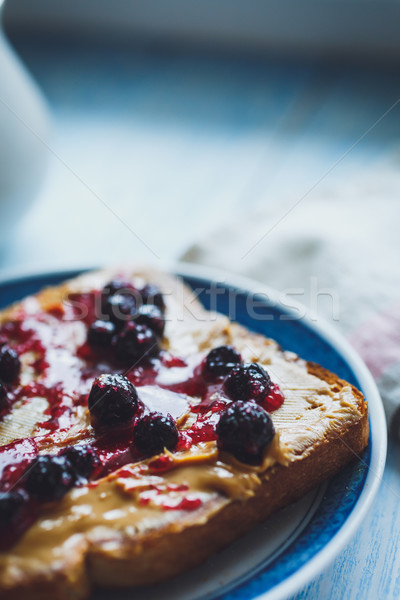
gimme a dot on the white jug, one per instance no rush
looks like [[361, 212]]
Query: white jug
[[23, 138]]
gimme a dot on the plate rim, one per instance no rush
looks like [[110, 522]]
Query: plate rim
[[378, 428]]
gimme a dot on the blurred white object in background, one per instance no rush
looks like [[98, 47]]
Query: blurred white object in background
[[23, 134]]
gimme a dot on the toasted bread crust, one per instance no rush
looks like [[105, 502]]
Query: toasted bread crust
[[163, 553]]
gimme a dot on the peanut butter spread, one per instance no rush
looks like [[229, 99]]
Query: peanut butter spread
[[174, 488]]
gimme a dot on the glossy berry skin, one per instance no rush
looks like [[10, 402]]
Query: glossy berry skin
[[154, 432], [245, 430], [135, 343], [10, 365], [82, 459], [113, 402], [220, 361], [151, 294], [49, 478], [11, 504], [247, 382], [100, 334], [119, 308], [150, 316]]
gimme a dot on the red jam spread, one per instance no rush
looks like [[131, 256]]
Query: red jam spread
[[62, 373]]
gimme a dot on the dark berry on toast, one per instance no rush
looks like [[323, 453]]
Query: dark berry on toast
[[100, 334], [116, 286], [113, 402], [10, 505], [135, 343], [10, 365], [119, 308], [150, 316], [3, 398], [49, 478], [245, 430], [151, 294], [247, 382], [220, 361], [154, 432], [82, 459]]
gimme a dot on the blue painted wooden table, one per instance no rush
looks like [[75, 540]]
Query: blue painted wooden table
[[159, 147]]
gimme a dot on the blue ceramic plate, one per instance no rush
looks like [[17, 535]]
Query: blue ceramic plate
[[281, 556]]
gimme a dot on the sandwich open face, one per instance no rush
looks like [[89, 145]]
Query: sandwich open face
[[141, 433]]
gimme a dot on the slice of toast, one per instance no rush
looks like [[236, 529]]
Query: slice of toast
[[152, 518]]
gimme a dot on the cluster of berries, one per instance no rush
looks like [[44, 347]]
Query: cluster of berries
[[245, 428], [114, 404], [132, 321]]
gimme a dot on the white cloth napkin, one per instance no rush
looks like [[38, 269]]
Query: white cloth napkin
[[337, 251]]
